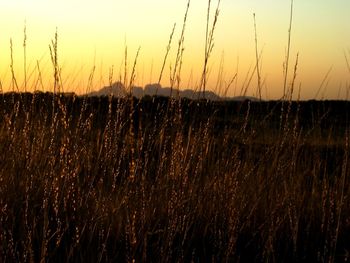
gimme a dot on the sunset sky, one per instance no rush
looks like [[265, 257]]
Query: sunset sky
[[94, 32]]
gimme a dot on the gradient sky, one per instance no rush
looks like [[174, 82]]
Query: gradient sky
[[95, 32]]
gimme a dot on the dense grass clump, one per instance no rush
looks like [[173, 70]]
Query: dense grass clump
[[162, 180]]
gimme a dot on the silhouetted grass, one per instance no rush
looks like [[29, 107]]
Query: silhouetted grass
[[210, 181]]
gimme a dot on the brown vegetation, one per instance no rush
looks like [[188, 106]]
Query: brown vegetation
[[184, 180]]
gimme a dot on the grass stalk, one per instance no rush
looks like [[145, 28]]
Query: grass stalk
[[14, 80], [133, 72], [25, 56], [286, 63], [257, 59], [53, 47], [209, 45], [166, 56], [176, 72]]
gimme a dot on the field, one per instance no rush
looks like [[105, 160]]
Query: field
[[101, 179]]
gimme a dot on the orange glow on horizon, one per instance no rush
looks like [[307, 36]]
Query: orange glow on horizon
[[94, 33]]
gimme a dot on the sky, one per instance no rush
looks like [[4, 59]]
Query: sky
[[94, 34]]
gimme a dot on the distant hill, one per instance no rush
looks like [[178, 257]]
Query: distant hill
[[242, 98], [118, 90]]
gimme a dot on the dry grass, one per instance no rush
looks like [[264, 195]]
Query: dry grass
[[182, 188]]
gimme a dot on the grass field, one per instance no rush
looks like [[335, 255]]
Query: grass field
[[161, 180]]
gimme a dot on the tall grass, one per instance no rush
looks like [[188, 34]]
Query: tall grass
[[218, 187], [163, 180]]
